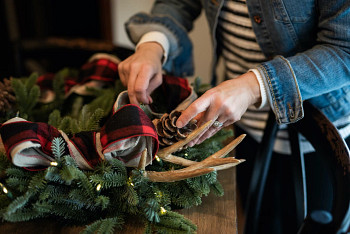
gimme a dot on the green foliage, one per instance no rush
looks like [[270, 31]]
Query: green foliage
[[104, 226], [104, 198], [88, 120], [27, 94], [57, 147], [105, 98], [172, 222]]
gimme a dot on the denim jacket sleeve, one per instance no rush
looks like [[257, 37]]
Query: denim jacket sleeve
[[321, 69], [175, 19]]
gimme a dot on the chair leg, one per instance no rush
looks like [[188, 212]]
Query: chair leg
[[299, 175], [260, 171]]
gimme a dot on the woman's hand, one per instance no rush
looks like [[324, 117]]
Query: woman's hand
[[141, 73], [225, 103]]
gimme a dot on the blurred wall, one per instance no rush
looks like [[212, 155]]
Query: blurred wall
[[123, 9]]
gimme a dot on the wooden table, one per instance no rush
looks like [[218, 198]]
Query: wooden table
[[214, 215]]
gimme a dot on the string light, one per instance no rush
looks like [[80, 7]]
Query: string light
[[159, 194], [54, 164], [98, 187], [130, 182], [5, 190], [157, 158], [162, 211]]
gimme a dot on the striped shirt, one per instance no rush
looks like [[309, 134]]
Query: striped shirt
[[241, 52]]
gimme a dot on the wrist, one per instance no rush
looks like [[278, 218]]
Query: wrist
[[152, 47], [157, 37], [254, 87]]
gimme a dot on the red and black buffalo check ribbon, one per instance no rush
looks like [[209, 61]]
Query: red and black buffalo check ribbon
[[124, 136]]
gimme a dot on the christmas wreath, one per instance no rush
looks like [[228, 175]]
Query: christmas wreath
[[75, 150]]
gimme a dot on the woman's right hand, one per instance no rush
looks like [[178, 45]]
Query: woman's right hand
[[141, 73]]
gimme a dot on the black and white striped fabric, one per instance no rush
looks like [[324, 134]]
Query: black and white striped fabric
[[241, 52]]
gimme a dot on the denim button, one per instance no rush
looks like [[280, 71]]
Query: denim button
[[257, 19]]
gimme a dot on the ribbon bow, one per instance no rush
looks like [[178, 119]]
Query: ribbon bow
[[123, 136]]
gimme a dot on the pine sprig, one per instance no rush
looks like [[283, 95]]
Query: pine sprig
[[172, 222], [103, 226], [27, 94], [58, 147], [89, 120]]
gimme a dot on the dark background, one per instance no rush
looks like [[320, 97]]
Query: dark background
[[47, 35]]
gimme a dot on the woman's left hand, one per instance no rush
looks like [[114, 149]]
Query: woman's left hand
[[225, 103]]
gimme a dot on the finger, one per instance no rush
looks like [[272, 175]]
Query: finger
[[123, 74], [154, 83], [198, 106], [212, 113], [211, 132], [131, 86], [142, 83]]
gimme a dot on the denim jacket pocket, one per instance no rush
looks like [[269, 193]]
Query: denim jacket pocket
[[298, 11]]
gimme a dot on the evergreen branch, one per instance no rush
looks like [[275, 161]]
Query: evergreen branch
[[18, 184], [17, 204], [31, 81], [93, 121], [217, 189], [103, 226], [58, 147], [55, 118], [23, 215], [108, 180], [17, 172], [74, 127], [27, 93], [37, 182], [151, 210], [32, 100], [20, 92], [102, 201], [53, 174], [118, 166], [104, 100], [66, 124], [131, 196]]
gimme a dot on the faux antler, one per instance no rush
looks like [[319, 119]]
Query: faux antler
[[214, 162]]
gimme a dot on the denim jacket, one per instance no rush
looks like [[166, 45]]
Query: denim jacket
[[307, 43]]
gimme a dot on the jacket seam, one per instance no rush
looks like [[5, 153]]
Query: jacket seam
[[271, 89], [295, 79]]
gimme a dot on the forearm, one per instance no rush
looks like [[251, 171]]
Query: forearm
[[320, 69]]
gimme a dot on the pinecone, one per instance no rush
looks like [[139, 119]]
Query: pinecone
[[167, 131], [7, 96]]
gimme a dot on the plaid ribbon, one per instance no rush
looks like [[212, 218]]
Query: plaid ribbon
[[102, 71], [124, 136]]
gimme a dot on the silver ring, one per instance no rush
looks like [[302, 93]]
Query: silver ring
[[217, 124]]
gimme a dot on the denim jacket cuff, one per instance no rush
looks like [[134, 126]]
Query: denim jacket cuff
[[282, 89]]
